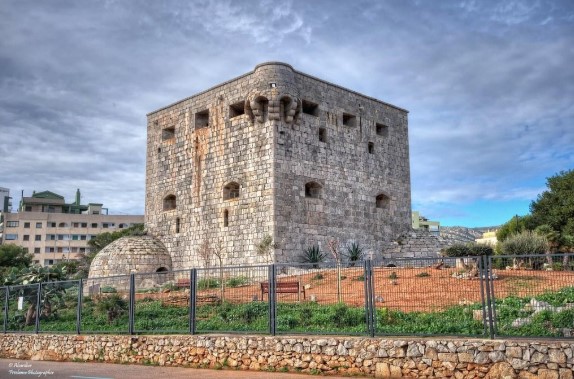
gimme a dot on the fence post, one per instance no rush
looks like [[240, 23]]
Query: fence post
[[272, 301], [369, 297], [79, 308], [6, 302], [192, 299], [482, 273], [38, 304], [489, 299], [131, 311]]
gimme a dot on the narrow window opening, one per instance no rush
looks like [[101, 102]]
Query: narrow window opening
[[237, 109], [382, 130], [177, 225], [226, 218], [202, 119], [231, 191], [310, 108], [159, 150], [371, 148], [322, 134], [169, 203], [272, 85], [382, 201], [168, 133], [349, 119], [313, 190]]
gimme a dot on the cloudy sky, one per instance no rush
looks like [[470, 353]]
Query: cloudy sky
[[489, 87]]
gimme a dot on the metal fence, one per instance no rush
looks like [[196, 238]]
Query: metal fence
[[488, 297]]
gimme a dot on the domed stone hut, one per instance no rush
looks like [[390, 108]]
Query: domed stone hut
[[131, 254]]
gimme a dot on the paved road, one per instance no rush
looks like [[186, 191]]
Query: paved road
[[14, 368]]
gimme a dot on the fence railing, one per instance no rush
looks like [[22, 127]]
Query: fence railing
[[488, 297]]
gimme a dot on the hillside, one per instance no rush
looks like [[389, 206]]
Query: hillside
[[460, 234]]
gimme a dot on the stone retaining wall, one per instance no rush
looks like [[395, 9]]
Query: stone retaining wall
[[382, 358]]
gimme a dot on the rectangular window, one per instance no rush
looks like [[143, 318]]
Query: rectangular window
[[371, 148], [27, 225], [349, 119], [310, 108], [28, 208], [48, 262], [83, 237], [74, 249], [75, 224], [75, 237], [36, 250], [26, 237], [51, 225], [60, 250], [38, 225], [82, 249], [382, 130], [37, 237], [49, 250], [168, 133], [322, 135], [11, 237], [12, 224], [202, 119], [237, 109], [60, 237], [94, 225], [84, 224]]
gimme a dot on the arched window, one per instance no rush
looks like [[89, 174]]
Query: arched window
[[62, 225], [231, 191], [161, 269], [169, 203], [382, 201], [313, 190]]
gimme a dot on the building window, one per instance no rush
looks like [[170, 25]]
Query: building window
[[313, 190], [382, 130], [168, 133], [26, 237], [49, 250], [75, 237], [62, 225], [226, 218], [48, 262], [27, 225], [37, 237], [38, 225], [169, 203], [11, 237], [202, 119], [237, 109], [94, 224], [371, 148], [36, 250], [310, 108], [12, 224], [231, 191], [122, 226], [177, 221], [322, 135], [51, 224], [76, 225], [349, 119], [28, 208], [84, 224], [382, 201]]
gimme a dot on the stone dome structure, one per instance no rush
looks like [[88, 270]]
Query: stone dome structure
[[131, 254]]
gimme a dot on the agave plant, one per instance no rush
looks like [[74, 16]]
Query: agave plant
[[354, 253], [313, 255]]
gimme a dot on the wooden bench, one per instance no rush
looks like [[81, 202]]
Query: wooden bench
[[284, 287]]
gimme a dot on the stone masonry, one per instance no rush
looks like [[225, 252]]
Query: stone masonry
[[275, 152], [352, 356]]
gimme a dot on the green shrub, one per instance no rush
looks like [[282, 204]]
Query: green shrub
[[207, 283], [393, 275], [318, 276], [354, 253], [523, 243], [108, 289], [112, 306], [237, 281], [422, 274], [467, 250]]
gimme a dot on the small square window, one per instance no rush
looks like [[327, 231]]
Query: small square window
[[84, 224], [94, 225], [168, 133], [349, 119], [237, 109], [382, 130], [36, 250], [37, 237], [38, 225], [26, 237], [27, 225], [202, 119], [310, 108]]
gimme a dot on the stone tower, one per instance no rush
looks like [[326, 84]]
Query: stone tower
[[275, 152]]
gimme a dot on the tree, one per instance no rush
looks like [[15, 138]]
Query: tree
[[515, 225], [13, 256], [555, 208]]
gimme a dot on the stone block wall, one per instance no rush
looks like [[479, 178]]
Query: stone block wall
[[272, 132], [381, 358]]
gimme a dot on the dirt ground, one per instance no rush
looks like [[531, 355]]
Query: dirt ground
[[408, 289]]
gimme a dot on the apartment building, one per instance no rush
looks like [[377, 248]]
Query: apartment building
[[5, 200], [53, 230]]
